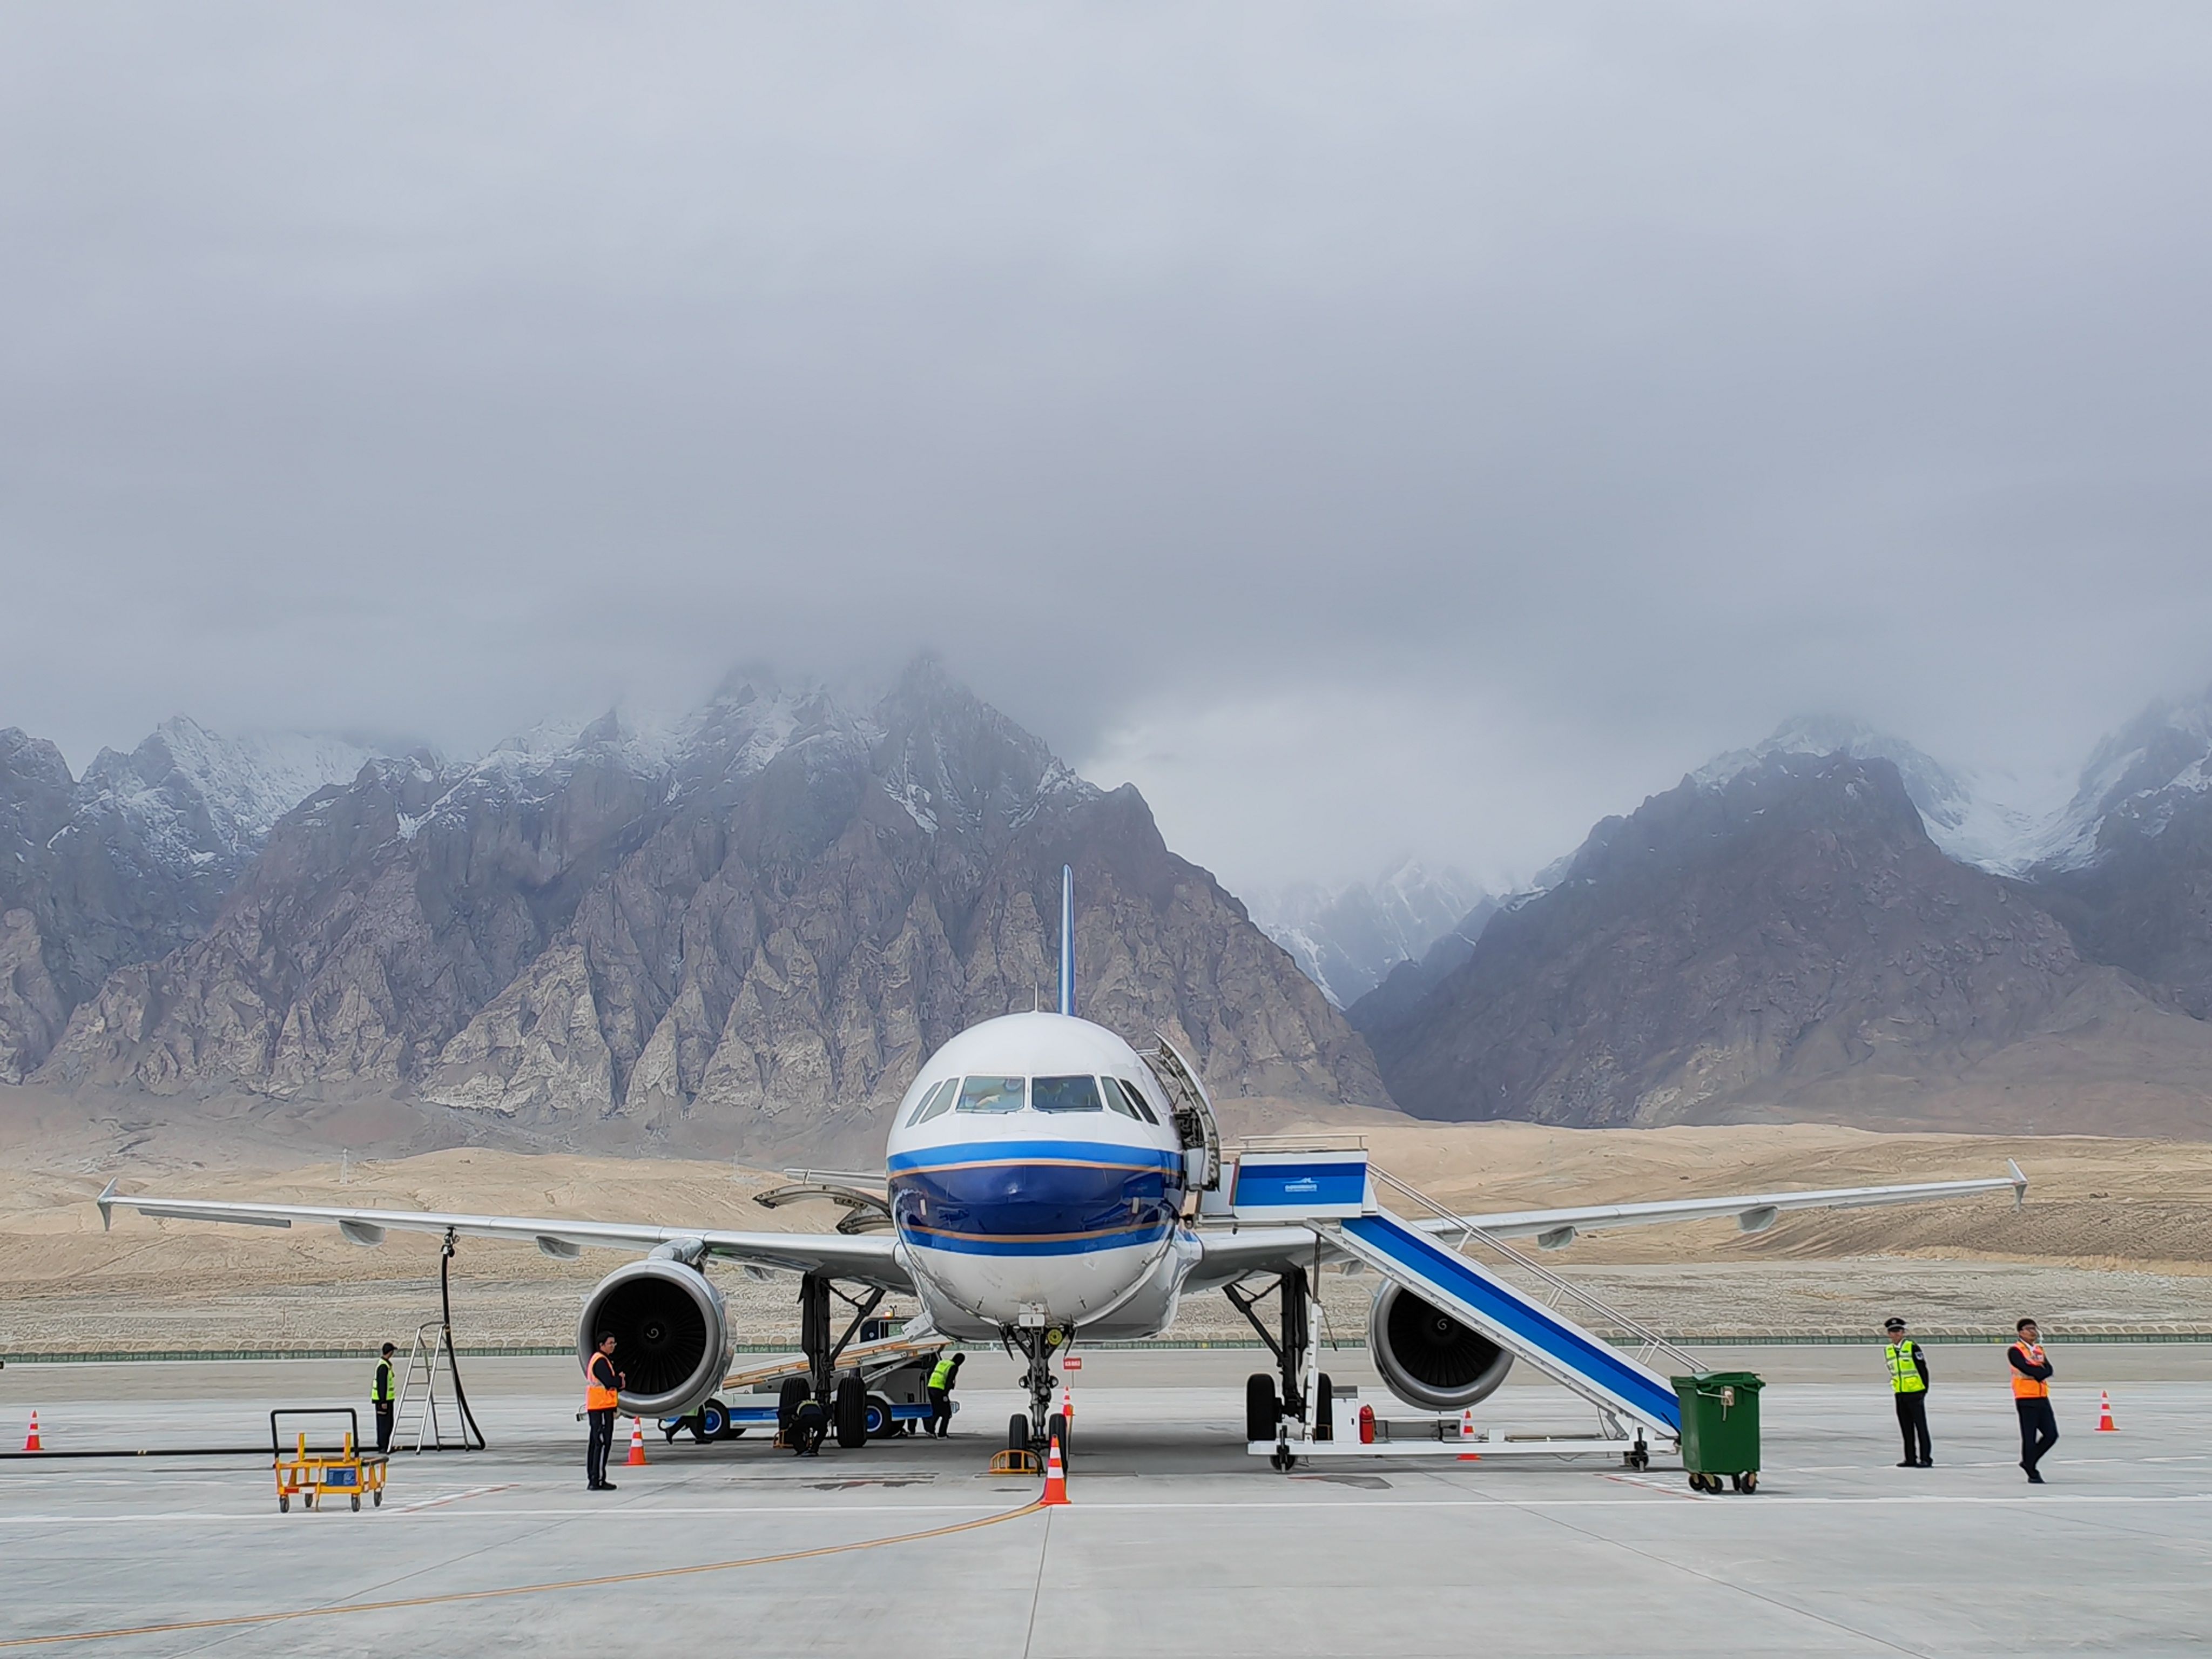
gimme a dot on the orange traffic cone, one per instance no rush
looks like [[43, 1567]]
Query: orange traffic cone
[[1068, 1402], [1055, 1477], [636, 1443], [2105, 1423], [1466, 1432], [31, 1440]]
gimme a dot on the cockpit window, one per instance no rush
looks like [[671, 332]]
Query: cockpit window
[[933, 1104], [1127, 1098], [991, 1094], [1064, 1094]]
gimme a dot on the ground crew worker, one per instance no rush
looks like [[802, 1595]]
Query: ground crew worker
[[603, 1387], [2031, 1398], [379, 1395], [1908, 1384], [941, 1379], [810, 1422]]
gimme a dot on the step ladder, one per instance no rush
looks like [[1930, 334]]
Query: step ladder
[[428, 1416]]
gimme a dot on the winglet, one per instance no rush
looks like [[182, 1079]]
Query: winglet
[[2019, 1184], [1068, 939], [106, 1202]]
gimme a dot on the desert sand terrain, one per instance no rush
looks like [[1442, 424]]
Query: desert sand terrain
[[2116, 1234]]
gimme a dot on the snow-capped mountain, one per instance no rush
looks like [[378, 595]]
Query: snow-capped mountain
[[192, 796], [1963, 815], [2137, 781], [1347, 939], [132, 860]]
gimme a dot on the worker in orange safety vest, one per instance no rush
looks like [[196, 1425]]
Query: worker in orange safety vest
[[603, 1386], [2031, 1398]]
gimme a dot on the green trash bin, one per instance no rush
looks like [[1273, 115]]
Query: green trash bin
[[1720, 1428]]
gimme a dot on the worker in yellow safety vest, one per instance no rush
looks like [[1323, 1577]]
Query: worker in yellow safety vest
[[379, 1396], [1908, 1385], [942, 1376], [2031, 1398], [603, 1386]]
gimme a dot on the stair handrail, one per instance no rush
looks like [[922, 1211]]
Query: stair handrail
[[1653, 1343]]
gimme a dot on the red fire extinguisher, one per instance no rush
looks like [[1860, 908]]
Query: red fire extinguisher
[[1367, 1425]]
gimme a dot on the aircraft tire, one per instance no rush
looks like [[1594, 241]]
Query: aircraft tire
[[1058, 1430], [1262, 1408], [787, 1401], [852, 1412], [1018, 1432]]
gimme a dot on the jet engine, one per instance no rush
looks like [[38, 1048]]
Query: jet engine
[[672, 1334], [1427, 1358]]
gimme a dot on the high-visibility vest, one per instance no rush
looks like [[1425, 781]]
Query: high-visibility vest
[[379, 1391], [1903, 1375], [597, 1397], [2029, 1387], [942, 1376]]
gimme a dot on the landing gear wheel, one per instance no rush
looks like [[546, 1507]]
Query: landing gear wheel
[[852, 1414], [1018, 1433], [1324, 1409], [1057, 1429], [1262, 1409]]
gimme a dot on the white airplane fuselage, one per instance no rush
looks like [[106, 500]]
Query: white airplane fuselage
[[1028, 1187]]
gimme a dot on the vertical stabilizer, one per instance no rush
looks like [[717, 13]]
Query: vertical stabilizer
[[1067, 939]]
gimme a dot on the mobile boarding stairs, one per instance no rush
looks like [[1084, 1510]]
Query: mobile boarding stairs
[[1328, 1185]]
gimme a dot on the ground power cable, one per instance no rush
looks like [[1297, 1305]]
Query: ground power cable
[[451, 1598]]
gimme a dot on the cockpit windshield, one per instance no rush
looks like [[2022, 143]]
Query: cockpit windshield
[[933, 1104], [991, 1094], [1065, 1094]]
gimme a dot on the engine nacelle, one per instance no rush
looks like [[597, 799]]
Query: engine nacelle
[[672, 1335], [1427, 1358]]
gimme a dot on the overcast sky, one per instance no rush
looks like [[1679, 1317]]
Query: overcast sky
[[1370, 428]]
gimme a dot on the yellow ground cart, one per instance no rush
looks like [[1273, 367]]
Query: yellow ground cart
[[311, 1475]]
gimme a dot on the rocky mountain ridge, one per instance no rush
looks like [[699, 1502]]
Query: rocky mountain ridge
[[131, 860], [747, 931]]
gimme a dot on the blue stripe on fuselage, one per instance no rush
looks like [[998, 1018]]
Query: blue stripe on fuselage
[[1058, 1205]]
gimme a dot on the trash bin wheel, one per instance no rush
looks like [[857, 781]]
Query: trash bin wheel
[[1747, 1481]]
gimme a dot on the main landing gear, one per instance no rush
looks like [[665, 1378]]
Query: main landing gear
[[1270, 1402], [845, 1398]]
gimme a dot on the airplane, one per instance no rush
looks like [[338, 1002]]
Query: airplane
[[1044, 1180]]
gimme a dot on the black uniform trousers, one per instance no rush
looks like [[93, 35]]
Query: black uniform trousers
[[2038, 1431], [940, 1412], [383, 1425], [602, 1442], [1912, 1422]]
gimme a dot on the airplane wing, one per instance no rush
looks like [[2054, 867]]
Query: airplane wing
[[1232, 1253], [868, 1257]]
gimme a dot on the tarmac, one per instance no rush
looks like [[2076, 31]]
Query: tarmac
[[1176, 1541]]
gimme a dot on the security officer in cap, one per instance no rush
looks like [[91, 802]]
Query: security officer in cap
[[941, 1379], [1908, 1383], [379, 1395]]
